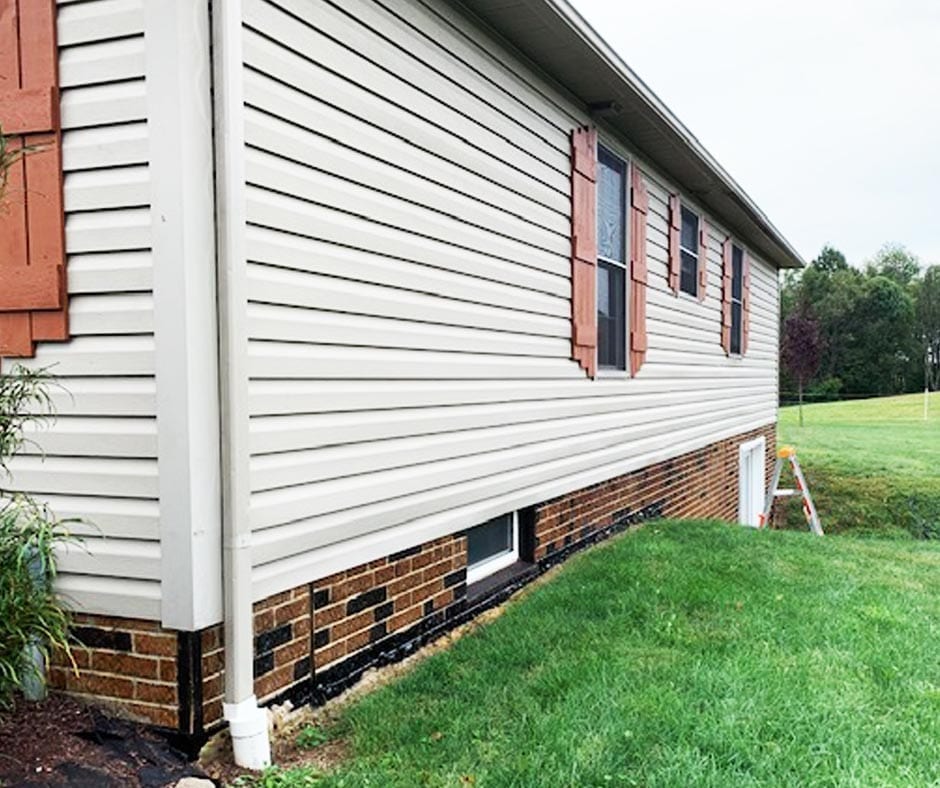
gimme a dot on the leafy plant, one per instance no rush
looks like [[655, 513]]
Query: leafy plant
[[312, 737], [31, 614]]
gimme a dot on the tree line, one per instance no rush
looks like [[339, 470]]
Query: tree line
[[850, 331]]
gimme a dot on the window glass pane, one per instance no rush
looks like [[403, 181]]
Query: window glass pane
[[688, 277], [489, 540], [611, 316], [736, 327], [737, 272], [689, 234], [611, 206]]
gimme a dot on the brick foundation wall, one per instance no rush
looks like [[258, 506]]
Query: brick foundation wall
[[315, 640]]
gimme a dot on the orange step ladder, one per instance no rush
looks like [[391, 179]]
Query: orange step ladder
[[787, 454]]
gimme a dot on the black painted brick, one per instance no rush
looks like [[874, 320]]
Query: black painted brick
[[321, 637], [321, 598], [264, 664], [377, 632], [302, 669], [93, 637], [270, 640], [384, 611], [370, 598], [455, 577]]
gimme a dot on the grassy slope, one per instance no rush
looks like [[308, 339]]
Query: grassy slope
[[873, 465], [681, 654]]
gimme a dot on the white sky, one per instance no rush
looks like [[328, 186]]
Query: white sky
[[827, 112]]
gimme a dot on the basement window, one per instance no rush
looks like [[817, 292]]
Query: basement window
[[492, 546]]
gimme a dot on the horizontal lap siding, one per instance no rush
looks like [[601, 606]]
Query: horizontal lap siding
[[409, 324], [98, 461]]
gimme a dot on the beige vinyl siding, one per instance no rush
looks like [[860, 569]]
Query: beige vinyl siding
[[409, 277], [98, 461]]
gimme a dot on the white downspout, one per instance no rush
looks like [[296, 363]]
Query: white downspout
[[249, 723]]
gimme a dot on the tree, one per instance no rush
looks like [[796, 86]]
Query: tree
[[830, 260], [896, 263], [801, 349], [928, 325]]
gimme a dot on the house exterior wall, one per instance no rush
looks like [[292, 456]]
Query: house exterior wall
[[315, 640], [409, 319], [133, 451]]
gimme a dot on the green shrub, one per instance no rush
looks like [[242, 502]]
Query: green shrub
[[31, 614]]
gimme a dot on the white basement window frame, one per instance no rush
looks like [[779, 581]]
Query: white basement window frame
[[491, 562]]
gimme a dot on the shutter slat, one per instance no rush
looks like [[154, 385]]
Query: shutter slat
[[584, 248], [703, 258], [726, 280], [25, 111], [745, 302], [639, 208], [675, 229]]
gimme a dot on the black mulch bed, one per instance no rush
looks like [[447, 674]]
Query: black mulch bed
[[60, 742]]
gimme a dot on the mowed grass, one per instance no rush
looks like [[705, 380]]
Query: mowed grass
[[873, 465], [681, 654]]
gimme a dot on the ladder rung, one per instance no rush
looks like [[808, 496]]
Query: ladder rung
[[786, 492]]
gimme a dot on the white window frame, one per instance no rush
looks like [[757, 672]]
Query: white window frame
[[606, 371], [693, 252], [751, 477], [491, 566]]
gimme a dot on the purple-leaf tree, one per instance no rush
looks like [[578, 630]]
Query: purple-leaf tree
[[801, 349]]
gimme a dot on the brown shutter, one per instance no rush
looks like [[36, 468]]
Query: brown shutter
[[745, 302], [727, 271], [702, 257], [639, 208], [675, 254], [32, 227], [584, 248]]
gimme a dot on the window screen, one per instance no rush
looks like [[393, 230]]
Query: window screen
[[611, 267], [688, 245]]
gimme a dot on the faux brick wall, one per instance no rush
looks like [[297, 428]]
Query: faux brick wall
[[126, 662], [316, 639], [365, 605], [699, 484]]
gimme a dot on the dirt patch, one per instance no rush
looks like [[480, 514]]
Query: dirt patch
[[61, 742]]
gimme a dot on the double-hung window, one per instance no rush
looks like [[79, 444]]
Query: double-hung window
[[611, 261], [688, 251], [737, 298]]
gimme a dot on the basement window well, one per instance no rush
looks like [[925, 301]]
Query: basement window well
[[492, 546]]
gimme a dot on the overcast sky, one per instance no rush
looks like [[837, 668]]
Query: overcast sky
[[827, 112]]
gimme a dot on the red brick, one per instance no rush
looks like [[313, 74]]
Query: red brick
[[125, 664], [155, 715], [329, 654], [160, 645], [404, 619], [150, 692]]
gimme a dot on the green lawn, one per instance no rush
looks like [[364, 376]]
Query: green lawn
[[873, 465], [681, 654]]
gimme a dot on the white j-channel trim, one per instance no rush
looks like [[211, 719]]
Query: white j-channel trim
[[179, 123], [491, 566], [751, 494]]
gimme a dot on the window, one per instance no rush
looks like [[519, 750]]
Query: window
[[688, 250], [492, 546], [737, 292], [611, 261]]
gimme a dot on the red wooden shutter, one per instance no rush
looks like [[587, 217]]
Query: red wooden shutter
[[675, 254], [702, 258], [32, 227], [584, 248], [639, 208], [727, 271], [745, 302]]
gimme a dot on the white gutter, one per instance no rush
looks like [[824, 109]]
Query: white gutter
[[249, 724]]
